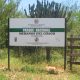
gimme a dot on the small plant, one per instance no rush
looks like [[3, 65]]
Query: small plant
[[3, 53], [52, 72], [2, 77], [28, 69], [33, 69]]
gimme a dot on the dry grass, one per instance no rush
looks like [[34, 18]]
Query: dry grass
[[24, 71], [17, 74]]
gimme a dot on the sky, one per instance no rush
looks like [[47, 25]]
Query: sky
[[24, 3]]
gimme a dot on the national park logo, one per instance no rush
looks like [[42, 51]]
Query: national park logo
[[36, 21], [36, 39]]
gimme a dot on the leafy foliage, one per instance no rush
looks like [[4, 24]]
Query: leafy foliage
[[45, 9], [2, 77], [8, 9]]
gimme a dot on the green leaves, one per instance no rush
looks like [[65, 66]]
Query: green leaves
[[8, 9], [46, 9]]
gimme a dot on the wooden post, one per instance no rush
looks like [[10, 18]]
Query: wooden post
[[65, 47], [8, 48], [48, 54]]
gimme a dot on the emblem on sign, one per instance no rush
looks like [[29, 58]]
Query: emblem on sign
[[36, 39], [15, 39], [36, 21]]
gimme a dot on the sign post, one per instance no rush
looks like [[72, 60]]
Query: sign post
[[8, 48], [43, 32], [65, 47]]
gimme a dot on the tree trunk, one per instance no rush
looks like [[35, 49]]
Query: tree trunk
[[48, 57]]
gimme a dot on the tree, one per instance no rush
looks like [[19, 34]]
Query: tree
[[45, 9], [74, 20], [8, 9]]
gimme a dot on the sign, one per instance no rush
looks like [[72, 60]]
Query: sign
[[37, 32]]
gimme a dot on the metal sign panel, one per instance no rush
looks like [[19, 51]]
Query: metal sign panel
[[37, 32]]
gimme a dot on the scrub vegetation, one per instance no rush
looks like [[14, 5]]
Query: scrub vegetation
[[24, 69], [36, 63]]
